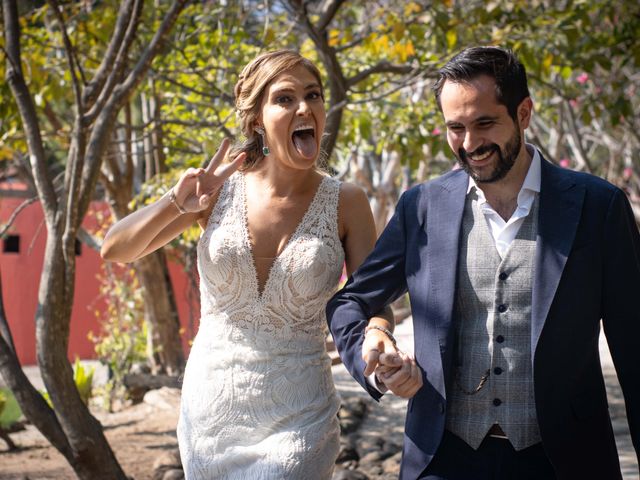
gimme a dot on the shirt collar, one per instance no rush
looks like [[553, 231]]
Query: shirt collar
[[531, 181]]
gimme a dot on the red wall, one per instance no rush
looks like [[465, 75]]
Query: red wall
[[21, 277]]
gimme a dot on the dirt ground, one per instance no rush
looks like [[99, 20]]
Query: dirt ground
[[138, 435], [143, 433]]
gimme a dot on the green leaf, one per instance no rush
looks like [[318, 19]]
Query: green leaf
[[452, 38]]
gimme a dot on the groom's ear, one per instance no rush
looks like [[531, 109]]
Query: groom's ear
[[525, 109]]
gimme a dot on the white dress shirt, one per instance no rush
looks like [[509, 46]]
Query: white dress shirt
[[503, 232]]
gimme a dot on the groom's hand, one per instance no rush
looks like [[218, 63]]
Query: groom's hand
[[400, 373], [376, 343]]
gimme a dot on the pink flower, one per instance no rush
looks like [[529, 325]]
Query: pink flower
[[565, 162], [582, 78], [573, 102], [627, 173], [436, 131]]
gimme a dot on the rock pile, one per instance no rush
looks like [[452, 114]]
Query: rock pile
[[363, 458]]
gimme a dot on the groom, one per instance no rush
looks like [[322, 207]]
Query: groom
[[510, 264]]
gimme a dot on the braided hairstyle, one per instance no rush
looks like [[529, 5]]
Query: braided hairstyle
[[249, 91]]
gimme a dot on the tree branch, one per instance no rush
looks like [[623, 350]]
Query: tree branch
[[111, 165], [68, 48], [329, 10], [52, 117], [136, 75], [534, 132], [26, 107], [336, 80], [219, 95], [89, 240], [23, 167], [128, 148], [381, 67], [394, 89], [75, 160], [15, 214], [95, 85], [575, 139], [115, 75], [104, 123]]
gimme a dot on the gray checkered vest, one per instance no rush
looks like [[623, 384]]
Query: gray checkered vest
[[492, 321]]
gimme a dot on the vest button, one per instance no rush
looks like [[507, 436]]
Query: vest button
[[499, 339], [497, 402], [502, 308], [497, 370], [503, 276]]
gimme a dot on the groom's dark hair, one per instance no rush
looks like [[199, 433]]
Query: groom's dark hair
[[498, 63]]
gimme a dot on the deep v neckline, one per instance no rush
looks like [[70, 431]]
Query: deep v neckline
[[260, 292]]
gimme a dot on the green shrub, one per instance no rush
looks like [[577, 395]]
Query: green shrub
[[122, 340], [83, 379], [10, 411]]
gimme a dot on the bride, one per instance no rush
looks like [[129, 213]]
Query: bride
[[258, 400]]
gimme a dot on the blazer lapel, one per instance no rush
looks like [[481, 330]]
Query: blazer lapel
[[445, 206], [558, 217]]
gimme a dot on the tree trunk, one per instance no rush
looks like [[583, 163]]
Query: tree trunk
[[33, 405], [161, 314], [92, 457], [86, 447], [160, 310], [150, 382]]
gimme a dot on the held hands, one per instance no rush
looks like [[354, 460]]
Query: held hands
[[400, 373], [396, 370], [198, 186]]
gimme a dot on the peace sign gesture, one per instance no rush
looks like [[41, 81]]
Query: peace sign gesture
[[198, 186]]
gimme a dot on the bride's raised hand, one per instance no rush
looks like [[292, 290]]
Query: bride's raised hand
[[198, 186]]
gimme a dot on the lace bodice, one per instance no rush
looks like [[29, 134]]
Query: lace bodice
[[301, 280], [258, 399]]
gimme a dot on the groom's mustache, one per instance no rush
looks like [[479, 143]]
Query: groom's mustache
[[462, 153]]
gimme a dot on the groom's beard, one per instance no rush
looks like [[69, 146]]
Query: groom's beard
[[506, 159]]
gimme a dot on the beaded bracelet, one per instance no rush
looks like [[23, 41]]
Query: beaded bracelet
[[386, 331], [174, 200]]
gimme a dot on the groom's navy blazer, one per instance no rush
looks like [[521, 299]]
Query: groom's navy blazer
[[587, 268]]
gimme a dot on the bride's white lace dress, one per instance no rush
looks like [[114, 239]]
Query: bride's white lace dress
[[258, 400]]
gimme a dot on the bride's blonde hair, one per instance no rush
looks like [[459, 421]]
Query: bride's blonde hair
[[249, 90]]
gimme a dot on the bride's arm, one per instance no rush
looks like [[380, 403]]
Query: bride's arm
[[155, 225], [358, 236], [386, 367], [145, 230]]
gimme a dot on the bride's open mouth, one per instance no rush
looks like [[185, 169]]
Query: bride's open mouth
[[304, 140]]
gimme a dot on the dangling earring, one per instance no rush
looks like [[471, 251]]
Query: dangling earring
[[265, 149]]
